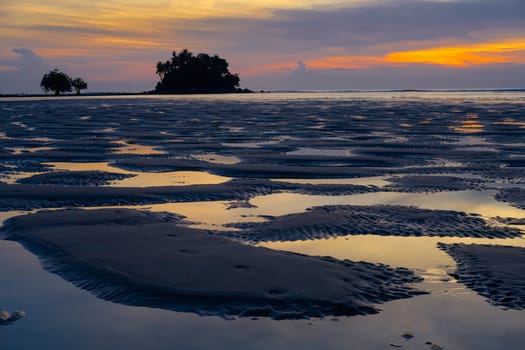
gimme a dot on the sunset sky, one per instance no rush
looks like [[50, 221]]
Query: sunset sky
[[273, 44]]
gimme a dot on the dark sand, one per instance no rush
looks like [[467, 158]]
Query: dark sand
[[495, 272], [140, 258], [74, 178], [27, 197], [432, 183], [515, 197], [331, 221], [30, 196]]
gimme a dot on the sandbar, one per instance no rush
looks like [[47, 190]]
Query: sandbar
[[386, 220], [495, 272], [150, 259]]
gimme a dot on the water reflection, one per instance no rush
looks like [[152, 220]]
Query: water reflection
[[126, 147], [470, 124], [215, 214], [328, 152], [418, 253], [511, 121], [471, 141], [215, 158], [476, 202], [467, 321], [378, 181], [139, 179]]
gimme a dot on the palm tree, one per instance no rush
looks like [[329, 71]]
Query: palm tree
[[163, 68]]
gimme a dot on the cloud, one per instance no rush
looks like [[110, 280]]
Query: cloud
[[363, 28], [114, 39], [512, 51], [26, 70]]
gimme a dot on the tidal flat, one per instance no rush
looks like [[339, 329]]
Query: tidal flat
[[272, 220]]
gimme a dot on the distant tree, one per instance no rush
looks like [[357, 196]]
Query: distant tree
[[79, 84], [186, 73], [56, 81]]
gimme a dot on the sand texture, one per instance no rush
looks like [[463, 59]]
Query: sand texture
[[74, 178], [330, 221], [329, 138], [495, 272], [418, 145], [432, 184], [515, 197], [30, 196], [140, 258], [26, 197]]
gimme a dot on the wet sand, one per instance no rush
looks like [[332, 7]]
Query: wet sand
[[495, 272], [139, 258], [278, 169]]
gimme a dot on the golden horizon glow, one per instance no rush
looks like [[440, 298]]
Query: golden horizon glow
[[506, 51], [512, 51]]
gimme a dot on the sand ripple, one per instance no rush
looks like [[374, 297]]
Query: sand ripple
[[330, 221], [495, 272]]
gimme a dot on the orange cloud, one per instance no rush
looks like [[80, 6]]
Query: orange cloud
[[510, 51], [328, 62], [461, 56]]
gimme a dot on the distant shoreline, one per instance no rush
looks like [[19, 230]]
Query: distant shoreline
[[102, 94], [245, 91]]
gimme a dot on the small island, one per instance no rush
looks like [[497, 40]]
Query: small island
[[188, 73]]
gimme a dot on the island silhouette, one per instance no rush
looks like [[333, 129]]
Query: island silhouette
[[201, 73]]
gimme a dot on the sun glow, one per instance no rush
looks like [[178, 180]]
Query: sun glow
[[459, 56], [506, 51]]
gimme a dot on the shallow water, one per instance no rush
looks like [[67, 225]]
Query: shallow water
[[369, 137], [63, 316], [140, 179], [128, 148]]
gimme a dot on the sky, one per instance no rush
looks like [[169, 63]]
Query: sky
[[272, 44]]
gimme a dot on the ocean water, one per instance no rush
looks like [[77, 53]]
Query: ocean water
[[372, 140]]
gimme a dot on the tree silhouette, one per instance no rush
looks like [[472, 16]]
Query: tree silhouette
[[56, 81], [202, 73], [79, 84]]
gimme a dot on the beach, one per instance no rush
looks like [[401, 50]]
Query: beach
[[290, 220]]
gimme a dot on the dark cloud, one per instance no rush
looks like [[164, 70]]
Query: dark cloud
[[359, 27], [401, 21]]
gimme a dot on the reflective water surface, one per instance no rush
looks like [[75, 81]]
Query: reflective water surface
[[60, 315]]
